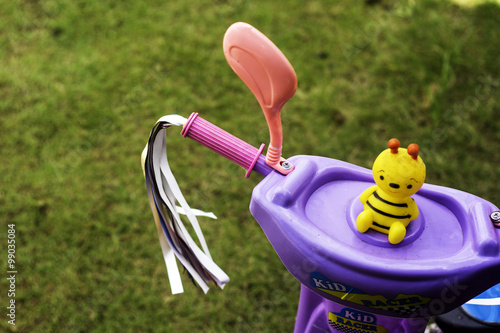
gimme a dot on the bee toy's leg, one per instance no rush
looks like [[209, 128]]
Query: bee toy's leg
[[364, 221], [397, 232]]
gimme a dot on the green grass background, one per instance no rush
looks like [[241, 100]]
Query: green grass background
[[83, 82]]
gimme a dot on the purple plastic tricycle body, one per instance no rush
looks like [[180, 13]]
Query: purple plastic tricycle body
[[450, 253]]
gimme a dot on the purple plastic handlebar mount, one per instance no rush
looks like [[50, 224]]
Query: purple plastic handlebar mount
[[358, 280], [225, 144]]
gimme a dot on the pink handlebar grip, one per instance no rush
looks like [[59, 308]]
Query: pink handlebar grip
[[225, 144]]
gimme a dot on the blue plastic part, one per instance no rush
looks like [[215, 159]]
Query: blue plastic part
[[488, 312]]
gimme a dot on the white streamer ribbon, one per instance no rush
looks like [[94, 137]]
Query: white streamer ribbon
[[164, 194]]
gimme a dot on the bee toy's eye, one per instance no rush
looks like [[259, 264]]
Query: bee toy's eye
[[409, 186], [381, 177]]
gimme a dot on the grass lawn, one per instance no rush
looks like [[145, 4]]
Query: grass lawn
[[83, 82]]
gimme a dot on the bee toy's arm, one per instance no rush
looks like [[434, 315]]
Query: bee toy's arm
[[366, 193], [413, 209]]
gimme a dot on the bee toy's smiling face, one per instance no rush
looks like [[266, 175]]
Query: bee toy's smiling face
[[399, 172]]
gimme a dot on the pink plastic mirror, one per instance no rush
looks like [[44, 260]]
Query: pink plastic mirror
[[270, 77]]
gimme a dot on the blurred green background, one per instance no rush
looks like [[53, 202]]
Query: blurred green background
[[83, 82]]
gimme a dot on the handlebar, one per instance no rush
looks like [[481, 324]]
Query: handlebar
[[226, 144]]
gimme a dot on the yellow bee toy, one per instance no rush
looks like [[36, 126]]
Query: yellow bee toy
[[388, 207]]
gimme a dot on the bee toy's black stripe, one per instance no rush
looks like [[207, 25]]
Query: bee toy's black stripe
[[381, 226], [387, 214], [389, 202]]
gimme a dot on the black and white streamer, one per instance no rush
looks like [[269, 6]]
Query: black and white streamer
[[164, 197]]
